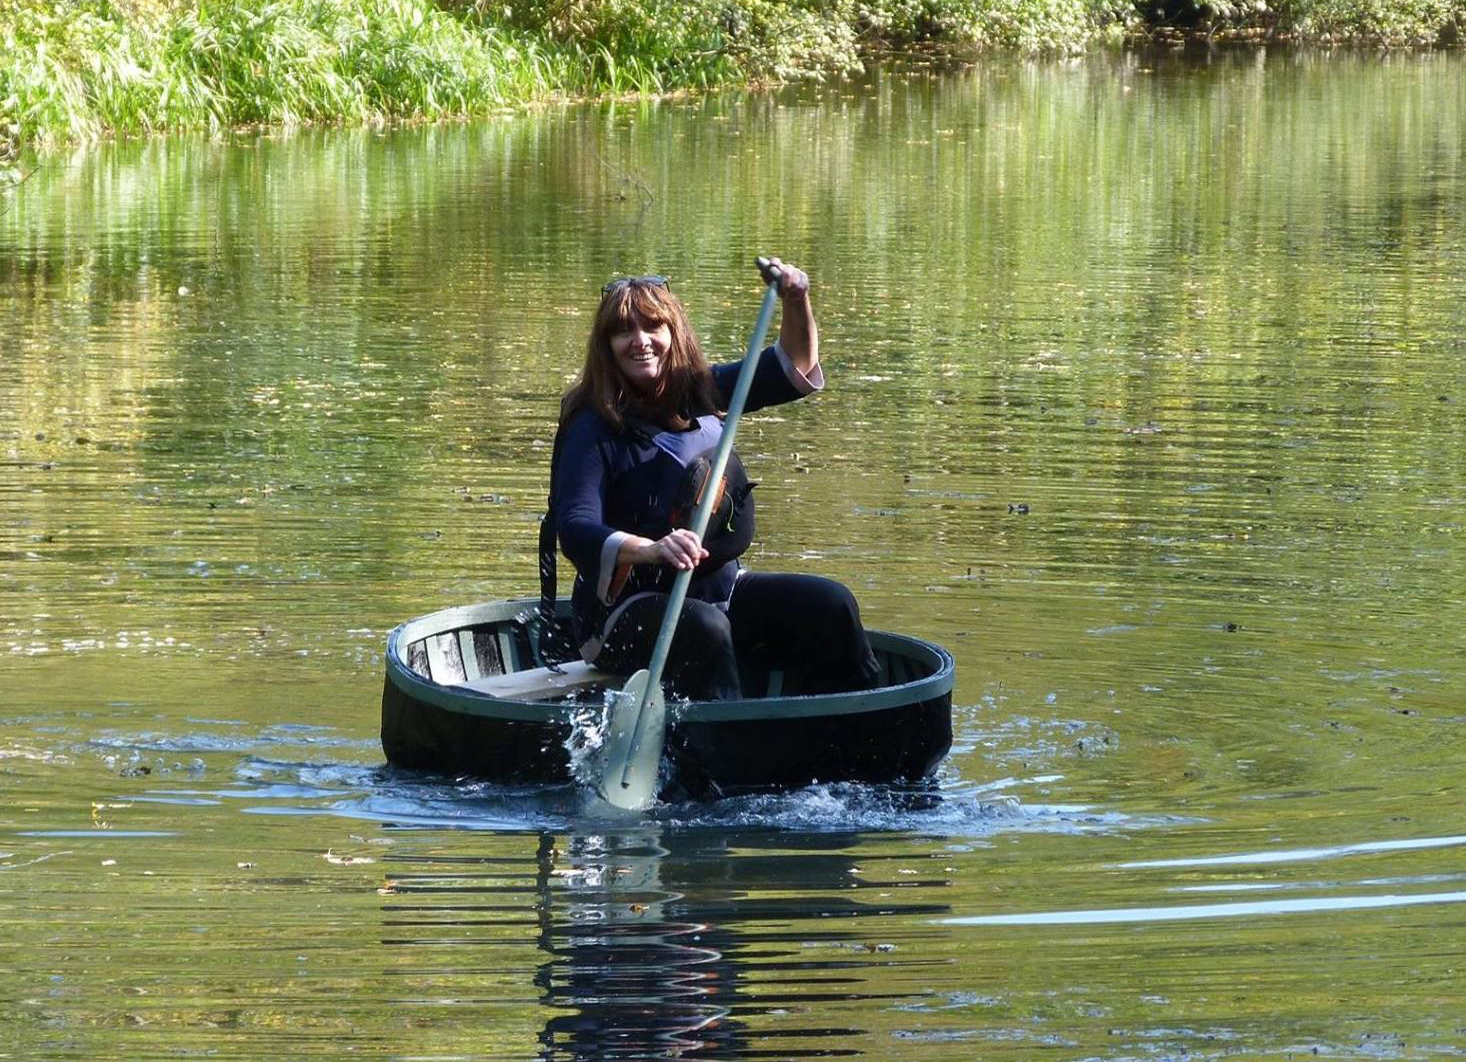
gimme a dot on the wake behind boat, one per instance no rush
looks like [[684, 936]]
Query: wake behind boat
[[467, 693]]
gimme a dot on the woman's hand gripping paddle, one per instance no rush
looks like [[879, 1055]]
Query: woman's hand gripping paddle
[[636, 719]]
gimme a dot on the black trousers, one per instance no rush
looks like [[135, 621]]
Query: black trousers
[[804, 625]]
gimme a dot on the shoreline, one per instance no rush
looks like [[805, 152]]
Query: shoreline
[[100, 75]]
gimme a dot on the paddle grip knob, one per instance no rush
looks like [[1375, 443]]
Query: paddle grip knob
[[768, 270]]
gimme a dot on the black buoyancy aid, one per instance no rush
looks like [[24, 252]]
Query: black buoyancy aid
[[730, 524]]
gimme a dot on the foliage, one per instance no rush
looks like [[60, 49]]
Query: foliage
[[1390, 22], [77, 69], [1383, 22], [696, 43], [72, 69], [1023, 25]]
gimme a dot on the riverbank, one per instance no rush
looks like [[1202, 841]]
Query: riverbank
[[74, 70]]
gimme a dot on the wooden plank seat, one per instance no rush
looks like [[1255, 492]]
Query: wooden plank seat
[[542, 683]]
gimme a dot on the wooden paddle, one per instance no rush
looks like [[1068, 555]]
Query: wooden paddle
[[636, 720]]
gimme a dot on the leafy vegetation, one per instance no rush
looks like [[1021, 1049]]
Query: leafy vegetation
[[1388, 23], [78, 69]]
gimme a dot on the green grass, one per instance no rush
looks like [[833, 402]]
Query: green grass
[[77, 69]]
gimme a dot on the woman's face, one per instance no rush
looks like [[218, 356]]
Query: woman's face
[[640, 349]]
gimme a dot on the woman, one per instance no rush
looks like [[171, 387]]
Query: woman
[[644, 410]]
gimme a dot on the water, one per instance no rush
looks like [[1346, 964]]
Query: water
[[1146, 401]]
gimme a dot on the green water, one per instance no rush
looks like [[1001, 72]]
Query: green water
[[1146, 400]]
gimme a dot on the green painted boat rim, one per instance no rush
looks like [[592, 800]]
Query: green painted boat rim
[[471, 702]]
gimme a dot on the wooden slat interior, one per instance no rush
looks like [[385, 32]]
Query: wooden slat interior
[[506, 651], [488, 651], [468, 655], [445, 659], [417, 659]]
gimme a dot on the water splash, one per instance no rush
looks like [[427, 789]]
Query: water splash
[[588, 729]]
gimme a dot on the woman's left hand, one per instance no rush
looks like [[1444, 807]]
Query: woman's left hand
[[798, 334], [793, 281]]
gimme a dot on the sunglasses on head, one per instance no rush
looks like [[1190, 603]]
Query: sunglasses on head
[[622, 282]]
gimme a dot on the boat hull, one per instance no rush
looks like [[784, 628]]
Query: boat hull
[[431, 722]]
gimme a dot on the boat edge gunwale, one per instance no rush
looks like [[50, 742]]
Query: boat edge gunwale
[[467, 701]]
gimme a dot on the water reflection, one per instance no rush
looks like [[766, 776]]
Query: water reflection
[[663, 943], [626, 976]]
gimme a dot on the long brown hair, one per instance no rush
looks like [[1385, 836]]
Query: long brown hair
[[684, 386]]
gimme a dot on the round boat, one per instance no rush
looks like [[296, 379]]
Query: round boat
[[469, 692]]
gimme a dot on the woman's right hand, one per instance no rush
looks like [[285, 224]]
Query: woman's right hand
[[681, 549]]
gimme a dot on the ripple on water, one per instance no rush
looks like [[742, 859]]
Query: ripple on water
[[1190, 912]]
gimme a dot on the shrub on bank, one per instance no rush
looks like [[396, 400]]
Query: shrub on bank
[[692, 42], [1389, 22], [697, 43], [1021, 25]]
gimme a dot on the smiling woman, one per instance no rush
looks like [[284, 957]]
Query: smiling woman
[[635, 431]]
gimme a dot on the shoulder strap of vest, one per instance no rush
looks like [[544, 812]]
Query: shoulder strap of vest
[[642, 430], [547, 550]]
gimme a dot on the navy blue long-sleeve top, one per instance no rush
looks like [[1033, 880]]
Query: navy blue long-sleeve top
[[609, 485]]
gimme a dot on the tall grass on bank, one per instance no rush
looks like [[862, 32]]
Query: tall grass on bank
[[75, 68]]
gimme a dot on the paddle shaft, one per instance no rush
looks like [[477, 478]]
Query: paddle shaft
[[704, 510]]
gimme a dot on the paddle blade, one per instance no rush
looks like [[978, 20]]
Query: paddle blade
[[632, 752]]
